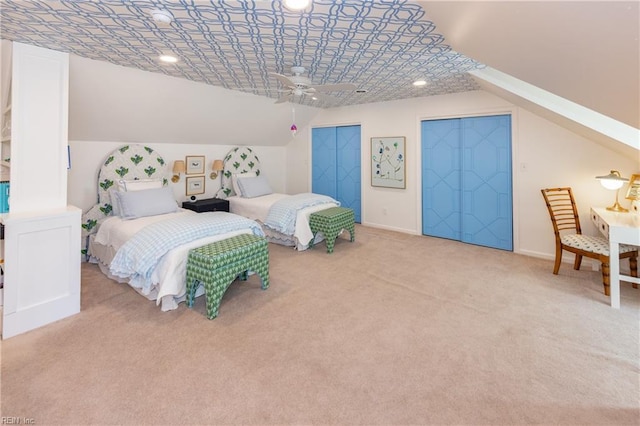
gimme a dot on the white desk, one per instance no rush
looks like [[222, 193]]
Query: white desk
[[619, 228]]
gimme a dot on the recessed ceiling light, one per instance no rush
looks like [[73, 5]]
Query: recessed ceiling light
[[168, 59], [419, 83], [162, 16], [296, 4]]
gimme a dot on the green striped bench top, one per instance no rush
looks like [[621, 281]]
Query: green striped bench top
[[229, 250]]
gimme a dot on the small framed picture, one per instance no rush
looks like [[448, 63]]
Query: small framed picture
[[633, 191], [195, 164], [195, 185]]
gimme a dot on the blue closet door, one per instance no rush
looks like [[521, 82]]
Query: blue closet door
[[335, 162], [466, 180], [486, 181], [323, 161], [441, 211], [348, 168]]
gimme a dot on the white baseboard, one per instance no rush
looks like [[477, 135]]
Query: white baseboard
[[390, 228]]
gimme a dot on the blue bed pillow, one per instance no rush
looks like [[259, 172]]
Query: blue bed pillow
[[131, 185], [234, 181], [148, 202], [251, 187]]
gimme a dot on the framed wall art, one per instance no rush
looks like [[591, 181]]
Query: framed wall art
[[195, 164], [633, 190], [195, 185], [388, 162]]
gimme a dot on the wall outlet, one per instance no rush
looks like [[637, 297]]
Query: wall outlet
[[384, 212]]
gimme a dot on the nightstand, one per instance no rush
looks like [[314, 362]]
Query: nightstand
[[208, 205]]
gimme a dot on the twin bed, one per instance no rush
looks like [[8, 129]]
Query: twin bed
[[138, 234], [249, 195]]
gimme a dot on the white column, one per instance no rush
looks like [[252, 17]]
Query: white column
[[42, 233]]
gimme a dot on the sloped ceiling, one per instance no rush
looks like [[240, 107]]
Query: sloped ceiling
[[585, 51]]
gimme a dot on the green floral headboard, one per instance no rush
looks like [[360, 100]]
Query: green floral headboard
[[238, 160], [129, 162]]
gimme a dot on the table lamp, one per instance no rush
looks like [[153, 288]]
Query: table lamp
[[614, 181]]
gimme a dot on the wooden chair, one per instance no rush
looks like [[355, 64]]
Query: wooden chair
[[566, 226]]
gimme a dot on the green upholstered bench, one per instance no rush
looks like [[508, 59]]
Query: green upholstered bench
[[330, 222], [218, 264]]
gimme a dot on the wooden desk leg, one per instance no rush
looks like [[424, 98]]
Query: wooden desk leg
[[614, 273]]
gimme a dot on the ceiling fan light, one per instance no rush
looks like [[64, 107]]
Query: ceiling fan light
[[296, 4]]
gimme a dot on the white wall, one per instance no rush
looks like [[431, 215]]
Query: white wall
[[178, 117], [88, 156], [112, 103], [544, 155]]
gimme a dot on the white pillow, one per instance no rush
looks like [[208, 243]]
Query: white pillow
[[115, 202], [254, 186], [146, 202], [138, 184], [130, 185], [234, 181]]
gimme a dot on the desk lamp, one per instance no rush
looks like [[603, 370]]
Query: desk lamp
[[614, 181]]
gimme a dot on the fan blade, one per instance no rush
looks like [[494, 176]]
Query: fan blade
[[283, 79], [321, 97], [284, 98], [340, 87]]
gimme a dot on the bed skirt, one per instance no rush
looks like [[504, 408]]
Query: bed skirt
[[288, 240], [103, 255]]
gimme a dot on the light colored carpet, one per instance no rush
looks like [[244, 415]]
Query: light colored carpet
[[391, 329]]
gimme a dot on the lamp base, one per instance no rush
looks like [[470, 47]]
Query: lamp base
[[175, 178], [617, 208]]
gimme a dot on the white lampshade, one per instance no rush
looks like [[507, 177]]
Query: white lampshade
[[217, 165], [178, 166], [613, 180]]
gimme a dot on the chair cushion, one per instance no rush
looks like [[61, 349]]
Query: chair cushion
[[598, 245]]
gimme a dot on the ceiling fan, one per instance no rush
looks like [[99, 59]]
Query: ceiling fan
[[297, 85]]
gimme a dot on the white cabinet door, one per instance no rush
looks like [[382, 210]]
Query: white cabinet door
[[42, 269]]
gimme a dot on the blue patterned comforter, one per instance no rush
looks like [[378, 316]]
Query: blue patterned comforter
[[283, 213], [138, 257]]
